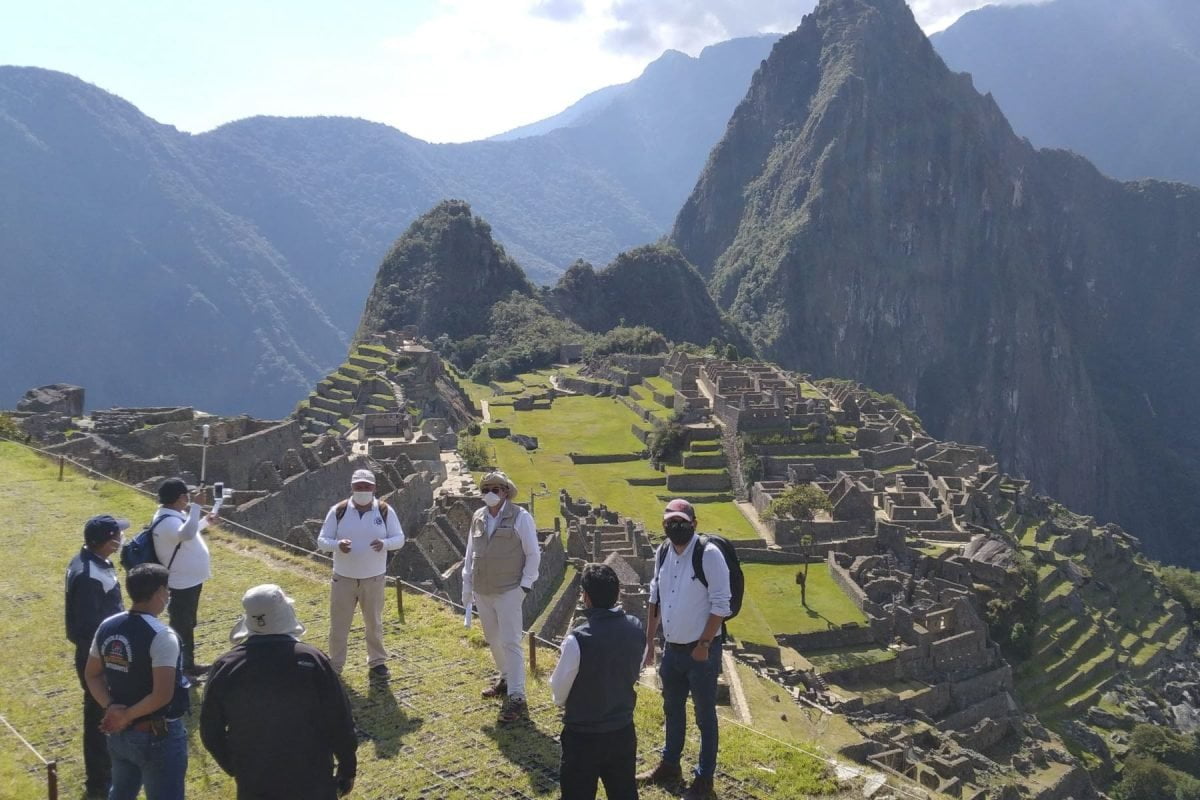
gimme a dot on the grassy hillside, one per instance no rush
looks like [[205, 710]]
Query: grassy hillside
[[426, 735]]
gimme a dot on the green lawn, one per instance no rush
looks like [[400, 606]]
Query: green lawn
[[848, 657], [595, 425], [425, 734], [772, 603]]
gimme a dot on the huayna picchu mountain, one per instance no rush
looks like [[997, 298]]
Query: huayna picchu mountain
[[869, 214]]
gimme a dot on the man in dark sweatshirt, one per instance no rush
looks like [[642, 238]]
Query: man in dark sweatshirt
[[597, 669], [93, 594], [275, 715]]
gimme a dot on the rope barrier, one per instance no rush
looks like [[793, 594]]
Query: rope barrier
[[533, 638]]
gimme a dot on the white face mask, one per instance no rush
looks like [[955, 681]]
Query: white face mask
[[492, 499], [362, 498]]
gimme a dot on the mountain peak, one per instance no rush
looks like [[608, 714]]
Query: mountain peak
[[443, 275]]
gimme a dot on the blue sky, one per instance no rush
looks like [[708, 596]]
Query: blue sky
[[443, 70]]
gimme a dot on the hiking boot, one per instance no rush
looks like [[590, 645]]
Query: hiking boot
[[514, 709], [663, 775], [380, 672], [497, 689], [701, 789]]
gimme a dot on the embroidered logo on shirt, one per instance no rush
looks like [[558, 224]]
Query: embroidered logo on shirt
[[116, 653], [379, 520]]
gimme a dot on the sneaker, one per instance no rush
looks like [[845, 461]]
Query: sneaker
[[497, 689], [381, 672], [701, 789], [663, 775], [514, 709]]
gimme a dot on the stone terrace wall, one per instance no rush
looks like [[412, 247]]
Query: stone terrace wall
[[305, 496], [233, 462]]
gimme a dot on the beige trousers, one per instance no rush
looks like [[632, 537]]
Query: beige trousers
[[500, 615], [344, 594]]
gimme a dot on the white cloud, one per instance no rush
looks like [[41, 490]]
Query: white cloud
[[478, 67]]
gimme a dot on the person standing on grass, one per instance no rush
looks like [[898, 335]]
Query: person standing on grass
[[93, 594], [179, 545], [275, 716], [500, 566], [691, 615], [359, 532], [595, 677], [135, 673]]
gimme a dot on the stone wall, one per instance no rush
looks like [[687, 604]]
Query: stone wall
[[854, 636], [550, 575], [305, 496], [233, 462], [557, 618], [698, 482]]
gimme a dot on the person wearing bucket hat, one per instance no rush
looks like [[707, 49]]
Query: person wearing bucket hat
[[500, 566], [275, 715], [93, 594], [360, 532]]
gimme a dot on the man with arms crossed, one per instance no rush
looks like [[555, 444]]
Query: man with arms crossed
[[691, 615]]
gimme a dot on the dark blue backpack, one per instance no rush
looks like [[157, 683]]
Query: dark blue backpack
[[140, 549]]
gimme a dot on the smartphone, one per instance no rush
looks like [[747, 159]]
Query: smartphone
[[218, 491]]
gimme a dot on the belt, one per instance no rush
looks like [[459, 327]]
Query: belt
[[688, 647], [156, 725]]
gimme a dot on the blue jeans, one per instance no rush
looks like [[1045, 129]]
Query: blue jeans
[[141, 757], [680, 674]]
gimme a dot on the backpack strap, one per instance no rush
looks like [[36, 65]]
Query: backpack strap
[[340, 509], [178, 544], [698, 558]]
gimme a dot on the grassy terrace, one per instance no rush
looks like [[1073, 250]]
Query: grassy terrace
[[427, 734], [773, 607], [595, 426]]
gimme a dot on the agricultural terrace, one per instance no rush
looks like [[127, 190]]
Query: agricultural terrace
[[598, 426], [426, 734], [773, 606]]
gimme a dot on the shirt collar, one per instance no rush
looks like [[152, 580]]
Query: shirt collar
[[89, 555]]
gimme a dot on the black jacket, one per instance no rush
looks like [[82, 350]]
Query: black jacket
[[93, 594], [275, 716]]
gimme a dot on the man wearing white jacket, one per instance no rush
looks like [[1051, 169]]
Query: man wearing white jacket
[[359, 532], [181, 548], [500, 566]]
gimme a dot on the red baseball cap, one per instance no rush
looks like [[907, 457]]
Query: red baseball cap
[[679, 509]]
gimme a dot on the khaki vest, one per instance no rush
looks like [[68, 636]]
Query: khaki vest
[[499, 559]]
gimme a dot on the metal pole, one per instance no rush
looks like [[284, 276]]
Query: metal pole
[[532, 652], [52, 780], [203, 452]]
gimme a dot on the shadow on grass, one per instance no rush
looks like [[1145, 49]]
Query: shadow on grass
[[812, 613], [531, 749], [380, 720]]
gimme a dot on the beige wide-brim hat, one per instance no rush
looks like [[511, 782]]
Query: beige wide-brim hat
[[267, 611], [499, 477]]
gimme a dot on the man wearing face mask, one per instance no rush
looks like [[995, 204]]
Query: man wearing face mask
[[499, 568], [691, 615], [93, 595], [359, 532]]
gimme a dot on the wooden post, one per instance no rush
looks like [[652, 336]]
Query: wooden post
[[52, 780], [62, 460], [532, 652], [400, 599]]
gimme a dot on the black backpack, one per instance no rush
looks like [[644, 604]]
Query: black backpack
[[737, 579], [140, 549]]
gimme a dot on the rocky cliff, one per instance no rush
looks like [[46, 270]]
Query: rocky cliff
[[443, 276], [869, 214], [652, 286]]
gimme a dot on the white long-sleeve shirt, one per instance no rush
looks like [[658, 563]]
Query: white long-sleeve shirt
[[193, 564], [565, 672], [361, 528], [526, 530], [684, 604]]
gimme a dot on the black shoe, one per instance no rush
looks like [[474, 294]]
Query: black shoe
[[497, 689], [381, 672]]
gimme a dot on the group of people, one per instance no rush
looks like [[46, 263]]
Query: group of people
[[275, 714]]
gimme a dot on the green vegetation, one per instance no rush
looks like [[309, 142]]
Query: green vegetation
[[1184, 586], [474, 452], [599, 426], [404, 725], [772, 603], [801, 502], [667, 442], [8, 427], [848, 657]]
